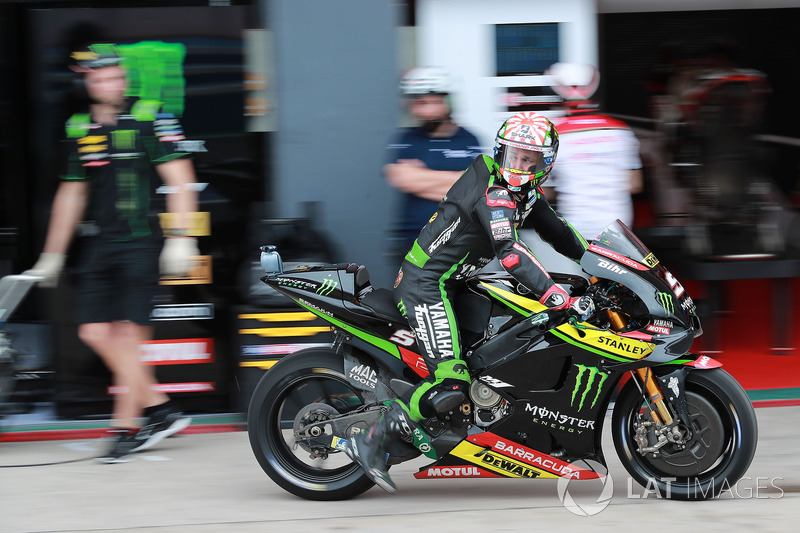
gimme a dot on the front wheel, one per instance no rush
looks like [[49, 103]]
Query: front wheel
[[721, 444], [307, 387]]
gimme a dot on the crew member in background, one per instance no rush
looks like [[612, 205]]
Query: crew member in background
[[114, 151], [425, 160], [599, 168]]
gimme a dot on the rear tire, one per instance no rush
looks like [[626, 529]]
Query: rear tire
[[719, 452], [304, 382]]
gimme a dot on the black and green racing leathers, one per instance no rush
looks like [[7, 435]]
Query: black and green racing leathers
[[476, 222]]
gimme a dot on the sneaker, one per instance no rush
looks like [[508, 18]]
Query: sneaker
[[160, 426], [121, 449]]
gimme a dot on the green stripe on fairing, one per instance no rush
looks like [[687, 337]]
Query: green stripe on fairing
[[363, 335], [572, 341], [677, 362]]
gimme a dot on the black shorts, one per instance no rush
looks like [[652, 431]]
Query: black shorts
[[116, 281]]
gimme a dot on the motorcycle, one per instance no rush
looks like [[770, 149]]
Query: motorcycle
[[542, 382]]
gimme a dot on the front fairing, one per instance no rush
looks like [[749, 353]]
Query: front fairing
[[617, 254]]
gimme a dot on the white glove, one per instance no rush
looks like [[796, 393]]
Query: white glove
[[177, 256], [582, 307], [48, 267]]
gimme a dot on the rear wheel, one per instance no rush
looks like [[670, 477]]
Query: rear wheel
[[721, 444], [307, 387]]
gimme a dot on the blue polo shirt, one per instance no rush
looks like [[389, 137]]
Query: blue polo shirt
[[438, 153]]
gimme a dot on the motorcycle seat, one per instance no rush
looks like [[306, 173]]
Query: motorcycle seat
[[381, 302]]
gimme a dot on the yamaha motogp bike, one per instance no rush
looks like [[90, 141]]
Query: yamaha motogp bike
[[542, 382]]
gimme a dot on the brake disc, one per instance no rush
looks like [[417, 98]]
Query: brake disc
[[704, 448]]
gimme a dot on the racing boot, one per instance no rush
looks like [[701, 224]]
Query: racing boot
[[368, 450]]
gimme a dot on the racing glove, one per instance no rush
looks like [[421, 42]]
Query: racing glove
[[48, 267], [558, 299], [582, 307], [177, 256]]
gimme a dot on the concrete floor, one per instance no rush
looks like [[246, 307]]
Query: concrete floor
[[212, 483]]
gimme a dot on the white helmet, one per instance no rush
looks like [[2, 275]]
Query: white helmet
[[574, 81], [425, 80], [525, 150]]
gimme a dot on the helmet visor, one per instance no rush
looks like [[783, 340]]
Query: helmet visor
[[520, 166]]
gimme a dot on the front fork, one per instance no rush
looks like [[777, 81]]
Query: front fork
[[661, 414], [664, 427]]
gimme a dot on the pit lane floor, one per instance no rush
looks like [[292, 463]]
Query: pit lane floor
[[212, 483]]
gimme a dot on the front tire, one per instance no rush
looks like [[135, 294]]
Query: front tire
[[309, 383], [724, 435]]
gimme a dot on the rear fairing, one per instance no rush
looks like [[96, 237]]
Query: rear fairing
[[330, 293]]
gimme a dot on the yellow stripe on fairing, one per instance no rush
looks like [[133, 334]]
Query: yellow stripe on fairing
[[526, 303], [602, 342]]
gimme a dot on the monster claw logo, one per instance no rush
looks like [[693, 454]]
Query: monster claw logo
[[665, 299], [327, 287], [592, 373]]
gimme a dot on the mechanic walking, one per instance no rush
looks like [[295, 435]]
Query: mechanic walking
[[114, 151]]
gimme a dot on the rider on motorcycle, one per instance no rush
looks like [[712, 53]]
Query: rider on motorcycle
[[475, 222]]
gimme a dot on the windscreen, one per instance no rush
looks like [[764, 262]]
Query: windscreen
[[620, 240]]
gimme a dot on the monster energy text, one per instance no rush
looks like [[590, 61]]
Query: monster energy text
[[295, 283], [557, 420]]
